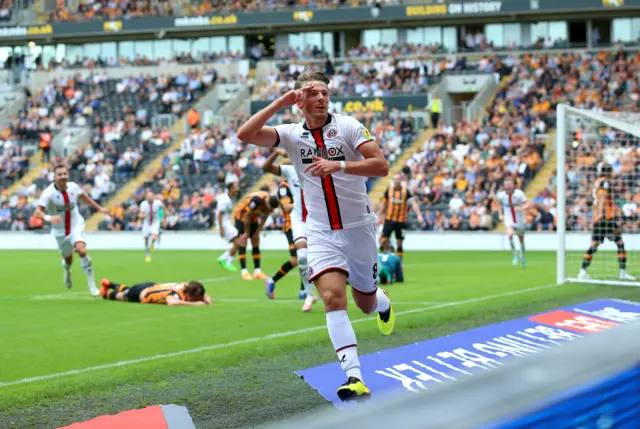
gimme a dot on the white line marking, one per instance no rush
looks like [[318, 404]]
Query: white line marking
[[289, 301], [258, 339]]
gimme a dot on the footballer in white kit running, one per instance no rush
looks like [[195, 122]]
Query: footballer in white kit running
[[150, 214], [58, 205], [332, 156], [298, 218], [228, 232], [514, 203]]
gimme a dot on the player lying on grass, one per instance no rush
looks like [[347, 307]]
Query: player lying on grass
[[389, 266], [191, 293]]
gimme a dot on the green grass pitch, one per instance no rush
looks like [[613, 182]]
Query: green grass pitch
[[67, 357]]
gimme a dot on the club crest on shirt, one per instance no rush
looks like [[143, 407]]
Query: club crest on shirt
[[332, 133]]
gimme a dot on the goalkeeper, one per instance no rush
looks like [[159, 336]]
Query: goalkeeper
[[389, 266]]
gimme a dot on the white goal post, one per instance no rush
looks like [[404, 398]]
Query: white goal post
[[588, 144]]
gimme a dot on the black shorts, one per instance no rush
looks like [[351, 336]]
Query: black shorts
[[606, 229], [292, 244], [396, 227], [240, 227], [133, 293]]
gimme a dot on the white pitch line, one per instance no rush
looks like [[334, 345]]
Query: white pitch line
[[258, 339], [289, 301]]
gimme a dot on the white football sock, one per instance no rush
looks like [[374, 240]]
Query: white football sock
[[230, 259], [383, 301], [304, 270], [87, 267], [147, 252], [344, 342], [225, 255], [513, 246]]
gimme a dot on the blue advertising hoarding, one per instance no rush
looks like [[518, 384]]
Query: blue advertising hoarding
[[418, 366]]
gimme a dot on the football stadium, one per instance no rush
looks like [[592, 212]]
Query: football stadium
[[418, 213]]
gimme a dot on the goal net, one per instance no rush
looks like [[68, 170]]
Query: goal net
[[598, 196]]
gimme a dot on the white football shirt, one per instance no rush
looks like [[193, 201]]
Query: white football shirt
[[151, 213], [338, 201], [64, 204], [509, 203], [224, 205], [289, 173]]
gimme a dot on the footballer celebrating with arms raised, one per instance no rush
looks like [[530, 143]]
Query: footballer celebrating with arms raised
[[332, 155]]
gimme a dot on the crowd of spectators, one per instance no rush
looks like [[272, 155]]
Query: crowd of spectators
[[363, 79], [126, 9], [88, 10], [459, 170], [619, 150], [455, 176], [116, 106], [123, 140], [6, 10], [186, 58]]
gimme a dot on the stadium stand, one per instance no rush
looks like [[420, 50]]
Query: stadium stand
[[449, 176], [374, 75], [138, 61], [456, 175], [102, 9], [125, 138]]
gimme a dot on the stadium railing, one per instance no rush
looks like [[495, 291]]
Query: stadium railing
[[590, 382]]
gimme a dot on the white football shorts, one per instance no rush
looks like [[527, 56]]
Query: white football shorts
[[298, 227], [230, 231], [153, 229], [66, 244], [518, 226], [353, 251]]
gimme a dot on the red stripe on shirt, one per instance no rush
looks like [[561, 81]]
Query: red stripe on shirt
[[330, 195], [67, 213], [304, 207], [513, 212]]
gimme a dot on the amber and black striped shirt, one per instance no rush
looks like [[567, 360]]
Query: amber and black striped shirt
[[602, 195], [397, 201], [158, 294], [254, 205], [286, 197]]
